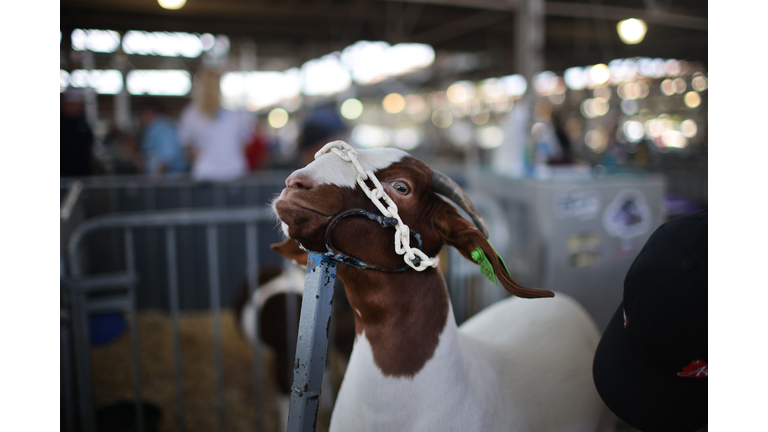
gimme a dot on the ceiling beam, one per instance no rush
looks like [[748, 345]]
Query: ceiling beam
[[582, 10], [459, 27]]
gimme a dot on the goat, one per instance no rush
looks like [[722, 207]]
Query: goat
[[280, 290], [516, 366]]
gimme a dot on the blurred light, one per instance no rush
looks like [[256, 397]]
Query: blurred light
[[408, 138], [278, 118], [460, 92], [491, 88], [673, 67], [172, 4], [653, 128], [63, 80], [105, 41], [220, 47], [489, 137], [415, 104], [537, 130], [603, 92], [324, 76], [160, 82], [442, 118], [699, 83], [351, 109], [659, 68], [102, 81], [692, 99], [631, 31], [208, 40], [633, 130], [673, 138], [162, 44], [666, 87], [260, 89], [641, 90], [481, 118], [576, 78], [596, 107], [622, 70], [393, 103], [368, 136], [599, 74], [688, 128], [502, 105], [370, 62], [626, 91], [514, 85], [597, 139], [557, 98], [460, 134], [545, 83], [679, 85]]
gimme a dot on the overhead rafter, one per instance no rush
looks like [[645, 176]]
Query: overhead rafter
[[653, 15]]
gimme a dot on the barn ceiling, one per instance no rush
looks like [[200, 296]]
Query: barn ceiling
[[289, 32]]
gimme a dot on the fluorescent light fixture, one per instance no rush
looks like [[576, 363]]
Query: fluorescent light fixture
[[105, 41], [324, 76], [102, 81], [260, 89], [168, 82], [164, 44], [370, 62]]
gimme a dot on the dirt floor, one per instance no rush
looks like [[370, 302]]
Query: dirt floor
[[113, 378]]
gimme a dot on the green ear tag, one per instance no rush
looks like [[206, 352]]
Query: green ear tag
[[485, 266]]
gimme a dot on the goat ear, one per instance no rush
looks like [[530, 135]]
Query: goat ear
[[290, 249], [467, 239]]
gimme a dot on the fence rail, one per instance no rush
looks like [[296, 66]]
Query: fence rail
[[82, 285]]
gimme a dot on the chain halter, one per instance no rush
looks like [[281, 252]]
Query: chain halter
[[402, 233]]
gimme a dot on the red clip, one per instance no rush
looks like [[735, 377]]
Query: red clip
[[697, 369]]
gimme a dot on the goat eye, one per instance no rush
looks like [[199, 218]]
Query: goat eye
[[401, 187]]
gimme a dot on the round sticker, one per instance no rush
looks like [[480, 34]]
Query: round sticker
[[628, 215]]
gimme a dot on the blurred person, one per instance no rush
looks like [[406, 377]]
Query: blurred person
[[650, 367], [76, 136], [257, 149], [161, 152], [565, 156], [215, 138]]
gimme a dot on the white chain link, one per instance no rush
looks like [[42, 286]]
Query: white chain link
[[402, 234]]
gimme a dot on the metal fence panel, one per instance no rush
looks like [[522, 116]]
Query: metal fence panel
[[166, 225]]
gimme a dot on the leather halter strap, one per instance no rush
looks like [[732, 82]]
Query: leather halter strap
[[385, 222]]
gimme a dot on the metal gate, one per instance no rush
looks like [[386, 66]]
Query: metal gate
[[89, 293]]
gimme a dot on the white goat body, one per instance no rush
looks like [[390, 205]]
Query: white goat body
[[519, 365]]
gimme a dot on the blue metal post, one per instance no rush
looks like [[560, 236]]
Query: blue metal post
[[312, 343]]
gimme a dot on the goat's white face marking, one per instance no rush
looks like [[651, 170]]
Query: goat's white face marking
[[331, 169]]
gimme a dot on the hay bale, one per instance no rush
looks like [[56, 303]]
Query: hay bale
[[113, 376]]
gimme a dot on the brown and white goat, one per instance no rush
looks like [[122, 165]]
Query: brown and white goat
[[517, 366]]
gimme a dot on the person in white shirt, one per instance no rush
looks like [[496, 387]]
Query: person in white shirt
[[215, 138]]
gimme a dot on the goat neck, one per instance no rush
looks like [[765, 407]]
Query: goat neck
[[401, 315]]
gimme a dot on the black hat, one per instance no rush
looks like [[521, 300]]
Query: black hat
[[650, 367]]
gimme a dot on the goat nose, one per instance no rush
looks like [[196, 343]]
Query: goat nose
[[299, 181]]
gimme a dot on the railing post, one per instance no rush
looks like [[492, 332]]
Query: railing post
[[312, 343]]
